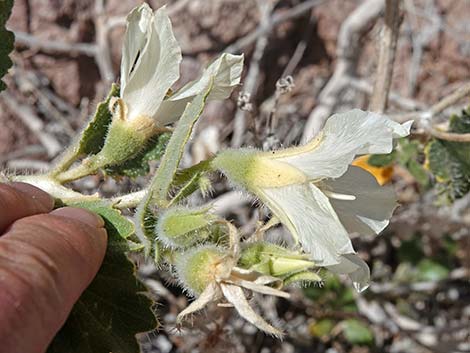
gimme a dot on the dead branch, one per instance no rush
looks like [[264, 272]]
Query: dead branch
[[251, 81], [388, 44], [102, 50], [421, 36], [54, 46], [348, 49], [402, 102], [300, 49], [277, 19], [423, 119], [449, 136], [461, 92], [34, 123], [99, 50], [27, 151], [29, 82]]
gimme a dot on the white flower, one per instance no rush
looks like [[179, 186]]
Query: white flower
[[150, 61], [150, 64], [210, 273], [315, 192]]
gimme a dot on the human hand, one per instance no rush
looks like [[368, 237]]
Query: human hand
[[47, 259]]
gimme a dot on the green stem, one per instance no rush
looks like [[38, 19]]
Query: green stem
[[68, 196], [66, 159], [130, 200], [88, 166], [53, 188]]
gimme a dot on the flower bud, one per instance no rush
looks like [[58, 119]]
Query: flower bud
[[125, 139], [252, 170], [303, 277], [199, 267], [273, 260], [181, 227]]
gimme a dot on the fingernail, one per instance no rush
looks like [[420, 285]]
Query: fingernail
[[35, 193], [80, 214]]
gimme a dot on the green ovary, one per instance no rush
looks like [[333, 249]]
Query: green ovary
[[199, 268], [253, 170]]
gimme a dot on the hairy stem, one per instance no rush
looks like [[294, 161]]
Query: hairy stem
[[88, 166], [129, 200], [66, 159], [59, 192]]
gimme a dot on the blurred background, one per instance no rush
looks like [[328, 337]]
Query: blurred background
[[304, 61]]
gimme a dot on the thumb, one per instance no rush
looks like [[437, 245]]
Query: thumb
[[46, 262]]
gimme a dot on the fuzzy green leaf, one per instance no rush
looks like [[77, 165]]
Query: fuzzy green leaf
[[449, 161], [94, 134], [181, 227], [356, 332], [192, 179], [145, 222], [110, 312], [407, 150], [163, 179], [139, 165], [418, 172], [115, 222], [382, 160], [409, 154], [7, 40]]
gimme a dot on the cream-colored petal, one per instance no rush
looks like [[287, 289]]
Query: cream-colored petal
[[344, 136], [225, 72], [259, 288], [157, 69], [235, 295], [356, 268], [210, 294], [138, 27], [309, 216], [369, 213]]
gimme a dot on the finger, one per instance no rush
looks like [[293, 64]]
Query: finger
[[18, 200], [46, 262]]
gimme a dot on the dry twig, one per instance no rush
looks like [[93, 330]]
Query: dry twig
[[27, 151], [102, 50], [300, 49], [276, 20], [388, 44], [402, 102], [348, 49], [421, 36], [54, 46], [34, 123], [424, 118], [251, 81]]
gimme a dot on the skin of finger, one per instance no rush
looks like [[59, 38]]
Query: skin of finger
[[18, 200], [46, 262]]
